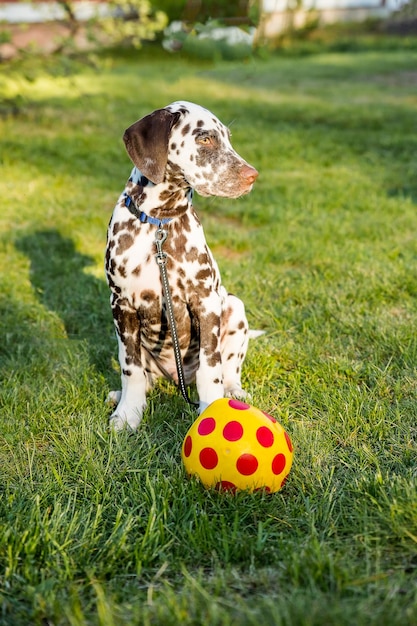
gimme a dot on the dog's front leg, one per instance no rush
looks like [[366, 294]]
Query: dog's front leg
[[209, 376], [234, 344], [134, 382]]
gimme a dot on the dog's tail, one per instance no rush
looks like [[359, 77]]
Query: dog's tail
[[253, 334]]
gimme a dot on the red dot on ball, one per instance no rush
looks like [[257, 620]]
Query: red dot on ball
[[226, 485], [188, 445], [289, 442], [233, 431], [247, 464], [278, 464], [265, 437], [208, 458], [265, 489], [206, 426], [238, 404]]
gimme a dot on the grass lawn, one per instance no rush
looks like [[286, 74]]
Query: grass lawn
[[105, 530]]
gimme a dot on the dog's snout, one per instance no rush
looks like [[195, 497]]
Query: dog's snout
[[249, 174]]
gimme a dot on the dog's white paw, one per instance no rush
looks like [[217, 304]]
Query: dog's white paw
[[120, 421], [236, 392], [113, 398]]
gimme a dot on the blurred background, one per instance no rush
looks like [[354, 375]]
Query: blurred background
[[204, 28]]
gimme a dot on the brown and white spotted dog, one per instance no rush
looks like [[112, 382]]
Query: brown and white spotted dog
[[174, 150]]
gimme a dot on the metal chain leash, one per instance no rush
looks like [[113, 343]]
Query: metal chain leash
[[161, 259]]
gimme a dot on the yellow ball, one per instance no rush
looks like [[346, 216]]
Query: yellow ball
[[233, 445]]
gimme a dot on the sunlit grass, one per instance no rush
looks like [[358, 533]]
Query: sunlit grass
[[97, 529]]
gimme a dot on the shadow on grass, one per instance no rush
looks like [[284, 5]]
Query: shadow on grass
[[79, 299]]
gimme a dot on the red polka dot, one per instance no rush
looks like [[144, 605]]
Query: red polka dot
[[206, 426], [233, 431], [265, 437], [208, 458], [289, 442], [266, 489], [283, 482], [188, 444], [238, 404], [225, 485], [278, 463], [269, 416], [247, 464]]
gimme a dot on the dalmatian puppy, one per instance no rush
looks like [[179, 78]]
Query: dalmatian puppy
[[175, 150]]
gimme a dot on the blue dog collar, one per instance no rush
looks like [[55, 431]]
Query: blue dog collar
[[143, 217]]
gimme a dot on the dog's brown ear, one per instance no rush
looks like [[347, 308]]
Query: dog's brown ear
[[147, 140]]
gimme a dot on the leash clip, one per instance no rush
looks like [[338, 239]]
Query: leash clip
[[160, 236]]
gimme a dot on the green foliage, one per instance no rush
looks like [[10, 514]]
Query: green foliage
[[205, 10], [200, 43], [104, 530], [408, 10], [5, 35], [215, 50], [199, 36], [132, 22], [363, 36], [174, 9]]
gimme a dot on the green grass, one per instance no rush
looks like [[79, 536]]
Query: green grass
[[105, 530]]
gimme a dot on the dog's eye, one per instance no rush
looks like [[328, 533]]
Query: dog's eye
[[205, 141]]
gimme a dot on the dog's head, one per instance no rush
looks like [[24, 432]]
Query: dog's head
[[186, 145]]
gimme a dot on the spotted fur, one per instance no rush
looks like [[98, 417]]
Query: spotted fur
[[174, 150]]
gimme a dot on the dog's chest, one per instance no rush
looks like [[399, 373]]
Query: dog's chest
[[133, 272]]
